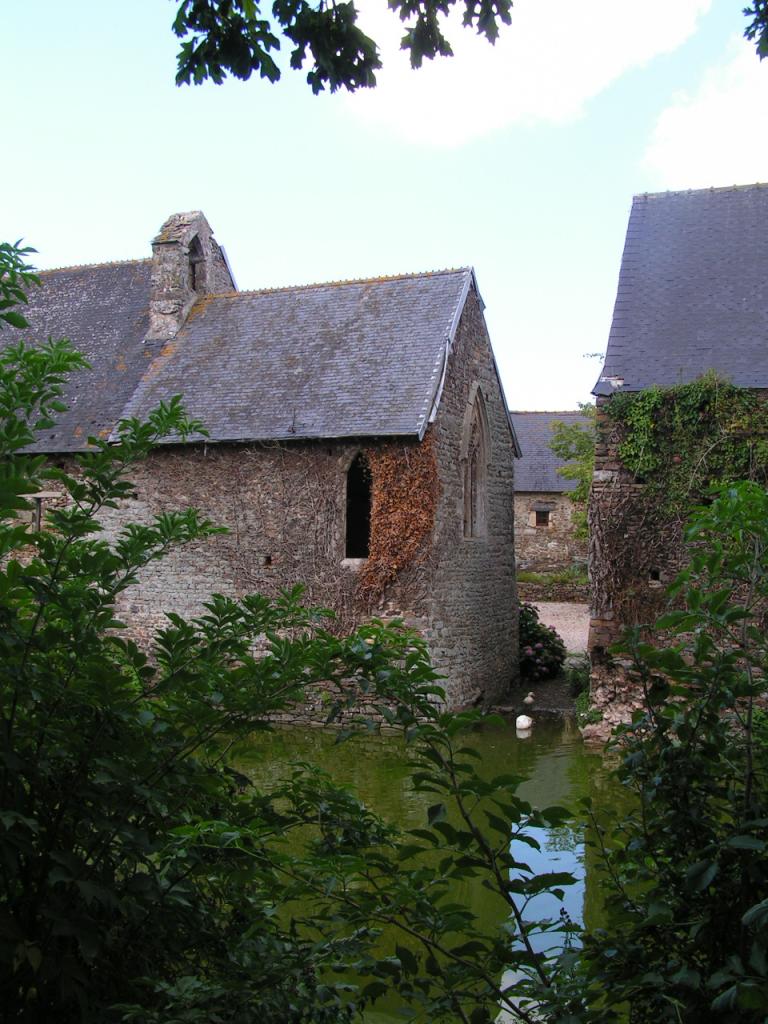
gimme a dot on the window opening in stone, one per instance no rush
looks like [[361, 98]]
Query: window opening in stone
[[475, 448], [654, 575], [542, 517], [358, 508], [195, 264]]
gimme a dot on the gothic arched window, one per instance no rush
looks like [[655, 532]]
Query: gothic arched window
[[358, 532], [475, 450]]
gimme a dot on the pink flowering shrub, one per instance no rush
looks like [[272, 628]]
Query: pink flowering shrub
[[542, 652]]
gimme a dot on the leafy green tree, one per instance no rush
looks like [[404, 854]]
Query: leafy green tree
[[686, 871], [15, 277], [235, 37], [757, 30], [238, 37], [575, 444]]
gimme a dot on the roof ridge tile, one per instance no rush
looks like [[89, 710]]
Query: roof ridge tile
[[94, 266], [757, 185], [545, 412], [382, 278]]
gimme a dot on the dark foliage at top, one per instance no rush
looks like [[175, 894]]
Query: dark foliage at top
[[239, 37], [757, 30], [235, 37]]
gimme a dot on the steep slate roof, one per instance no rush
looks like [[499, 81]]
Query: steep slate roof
[[537, 468], [104, 311], [693, 290], [359, 358]]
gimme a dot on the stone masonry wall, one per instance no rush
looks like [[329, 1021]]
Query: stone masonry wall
[[187, 263], [550, 547], [634, 555], [632, 559], [474, 613], [284, 508]]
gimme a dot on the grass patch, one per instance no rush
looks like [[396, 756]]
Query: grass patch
[[585, 713], [572, 576]]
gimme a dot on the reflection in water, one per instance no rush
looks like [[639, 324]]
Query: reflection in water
[[557, 768], [554, 855]]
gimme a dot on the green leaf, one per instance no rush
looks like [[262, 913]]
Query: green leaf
[[757, 916], [435, 813], [480, 1016], [701, 874], [659, 913], [746, 843], [407, 959], [14, 319], [374, 990]]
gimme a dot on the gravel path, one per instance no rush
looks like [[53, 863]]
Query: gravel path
[[570, 620]]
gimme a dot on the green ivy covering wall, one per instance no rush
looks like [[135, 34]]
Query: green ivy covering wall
[[683, 440]]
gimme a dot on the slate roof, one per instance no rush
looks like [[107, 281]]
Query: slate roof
[[104, 311], [359, 358], [693, 290], [536, 470]]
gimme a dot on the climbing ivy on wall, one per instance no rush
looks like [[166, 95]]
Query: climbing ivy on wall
[[681, 441], [404, 493], [678, 442]]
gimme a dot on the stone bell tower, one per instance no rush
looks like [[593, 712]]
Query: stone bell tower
[[187, 264]]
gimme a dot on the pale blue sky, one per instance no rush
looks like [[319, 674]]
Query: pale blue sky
[[520, 160]]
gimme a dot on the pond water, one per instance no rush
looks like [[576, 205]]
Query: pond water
[[558, 768]]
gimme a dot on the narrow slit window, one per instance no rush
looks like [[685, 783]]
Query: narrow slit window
[[195, 264], [358, 540]]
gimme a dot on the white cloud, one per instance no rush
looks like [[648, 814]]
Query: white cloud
[[554, 57], [717, 135]]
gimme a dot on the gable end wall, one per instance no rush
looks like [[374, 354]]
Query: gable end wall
[[473, 631]]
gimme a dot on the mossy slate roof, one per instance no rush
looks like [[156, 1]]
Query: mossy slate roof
[[536, 470], [693, 290], [104, 311], [350, 359]]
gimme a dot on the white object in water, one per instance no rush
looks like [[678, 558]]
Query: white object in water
[[529, 699], [523, 722]]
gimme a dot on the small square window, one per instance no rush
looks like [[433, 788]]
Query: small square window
[[542, 517]]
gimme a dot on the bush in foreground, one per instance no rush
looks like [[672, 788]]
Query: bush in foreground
[[542, 652]]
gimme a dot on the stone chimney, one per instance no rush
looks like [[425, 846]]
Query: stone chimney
[[186, 265]]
